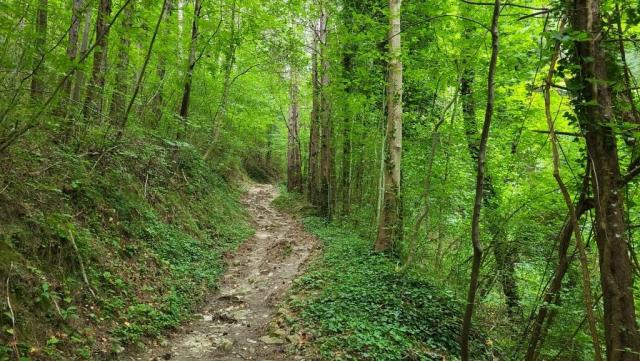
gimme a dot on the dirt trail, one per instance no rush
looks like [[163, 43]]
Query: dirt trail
[[234, 325]]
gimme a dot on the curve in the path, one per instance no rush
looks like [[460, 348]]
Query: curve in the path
[[234, 325]]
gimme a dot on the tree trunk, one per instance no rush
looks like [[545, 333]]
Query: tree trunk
[[326, 169], [347, 63], [314, 128], [37, 84], [186, 94], [72, 47], [158, 98], [294, 165], [79, 74], [595, 114], [477, 205], [93, 101], [180, 16], [504, 254], [117, 107], [390, 224]]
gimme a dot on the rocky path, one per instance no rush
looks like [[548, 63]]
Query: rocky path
[[235, 324]]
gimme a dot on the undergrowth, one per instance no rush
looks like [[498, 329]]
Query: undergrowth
[[352, 304], [292, 202], [148, 222]]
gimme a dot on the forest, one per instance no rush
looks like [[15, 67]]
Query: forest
[[319, 180]]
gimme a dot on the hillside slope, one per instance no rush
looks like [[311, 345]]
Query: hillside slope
[[100, 250]]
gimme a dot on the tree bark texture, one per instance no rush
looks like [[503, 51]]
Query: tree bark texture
[[72, 47], [294, 161], [186, 93], [93, 101], [313, 185], [390, 224], [326, 131], [117, 107], [37, 84], [595, 115], [345, 184], [79, 75]]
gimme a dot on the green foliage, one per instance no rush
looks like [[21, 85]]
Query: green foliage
[[292, 202], [150, 241], [356, 306]]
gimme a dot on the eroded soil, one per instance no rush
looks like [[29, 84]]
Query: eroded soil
[[236, 324]]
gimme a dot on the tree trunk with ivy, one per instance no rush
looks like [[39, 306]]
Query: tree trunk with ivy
[[390, 223], [594, 106]]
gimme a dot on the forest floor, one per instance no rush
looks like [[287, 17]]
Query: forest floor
[[236, 322]]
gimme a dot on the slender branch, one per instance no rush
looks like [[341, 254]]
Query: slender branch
[[542, 12], [479, 193], [570, 134], [12, 315], [631, 174], [424, 215], [208, 42], [507, 4], [82, 269], [144, 69]]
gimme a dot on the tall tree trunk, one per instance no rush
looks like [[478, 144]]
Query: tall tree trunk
[[359, 172], [84, 46], [504, 253], [346, 166], [186, 94], [72, 47], [294, 165], [595, 114], [347, 64], [477, 205], [37, 84], [158, 98], [117, 107], [180, 17], [93, 101], [314, 128], [326, 159], [390, 224]]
